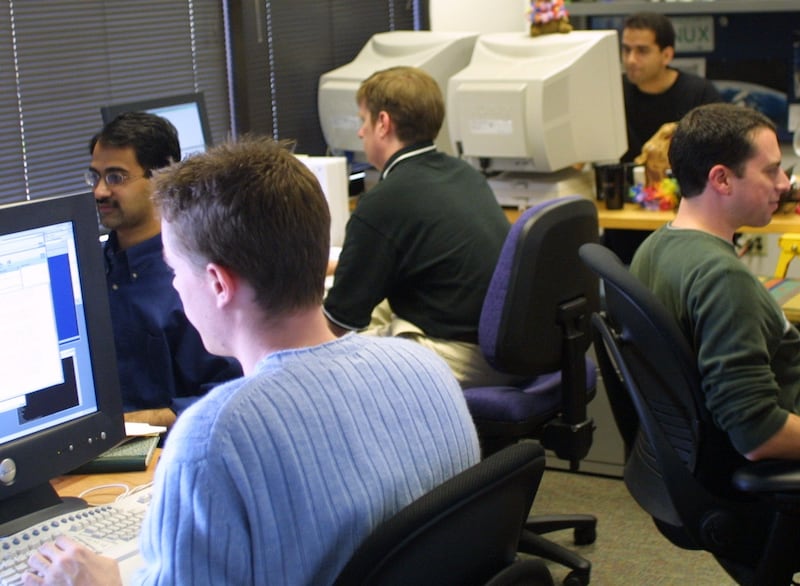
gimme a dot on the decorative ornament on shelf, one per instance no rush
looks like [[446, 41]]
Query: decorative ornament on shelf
[[548, 16]]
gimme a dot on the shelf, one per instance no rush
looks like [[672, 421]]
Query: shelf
[[625, 7]]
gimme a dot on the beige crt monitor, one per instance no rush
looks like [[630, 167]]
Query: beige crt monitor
[[439, 54], [539, 104]]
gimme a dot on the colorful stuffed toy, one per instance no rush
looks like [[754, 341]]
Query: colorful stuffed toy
[[548, 16]]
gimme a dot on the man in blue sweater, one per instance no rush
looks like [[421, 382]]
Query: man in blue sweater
[[277, 477]]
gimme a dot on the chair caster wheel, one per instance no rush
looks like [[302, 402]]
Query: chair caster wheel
[[585, 535], [575, 578]]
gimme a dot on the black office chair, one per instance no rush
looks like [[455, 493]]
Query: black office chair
[[535, 324], [680, 467], [462, 533]]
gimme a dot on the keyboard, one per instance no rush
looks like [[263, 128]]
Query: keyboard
[[111, 530]]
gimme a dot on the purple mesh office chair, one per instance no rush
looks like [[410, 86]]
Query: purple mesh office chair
[[535, 324]]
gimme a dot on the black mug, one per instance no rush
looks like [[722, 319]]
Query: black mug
[[612, 183]]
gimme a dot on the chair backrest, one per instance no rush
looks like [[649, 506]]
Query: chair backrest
[[680, 464], [537, 274], [462, 533]]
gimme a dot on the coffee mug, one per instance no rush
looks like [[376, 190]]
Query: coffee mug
[[612, 184]]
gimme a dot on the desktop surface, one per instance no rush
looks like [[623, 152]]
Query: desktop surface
[[633, 217], [102, 486]]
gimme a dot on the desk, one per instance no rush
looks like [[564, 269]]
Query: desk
[[634, 217], [74, 484]]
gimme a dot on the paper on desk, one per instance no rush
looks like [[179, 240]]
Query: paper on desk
[[133, 429]]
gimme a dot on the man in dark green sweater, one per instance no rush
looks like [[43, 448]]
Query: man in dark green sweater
[[728, 163]]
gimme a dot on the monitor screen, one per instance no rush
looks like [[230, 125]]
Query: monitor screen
[[186, 112], [539, 104], [439, 54], [60, 403]]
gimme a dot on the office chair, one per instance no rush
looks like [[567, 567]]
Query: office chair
[[462, 533], [680, 467], [535, 324]]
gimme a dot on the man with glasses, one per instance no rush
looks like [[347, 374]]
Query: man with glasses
[[163, 366]]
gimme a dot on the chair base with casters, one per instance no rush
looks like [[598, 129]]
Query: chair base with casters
[[504, 423], [462, 533], [535, 323], [680, 468]]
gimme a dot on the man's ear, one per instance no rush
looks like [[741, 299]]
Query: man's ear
[[384, 123], [719, 178], [223, 283], [668, 54]]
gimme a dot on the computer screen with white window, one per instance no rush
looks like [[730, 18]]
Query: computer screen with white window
[[60, 403], [187, 112]]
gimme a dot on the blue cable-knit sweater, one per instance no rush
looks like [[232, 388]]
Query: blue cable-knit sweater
[[276, 478]]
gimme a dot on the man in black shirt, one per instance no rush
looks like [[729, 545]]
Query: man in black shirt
[[421, 246], [655, 93]]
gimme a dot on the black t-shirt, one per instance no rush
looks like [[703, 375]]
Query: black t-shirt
[[645, 113]]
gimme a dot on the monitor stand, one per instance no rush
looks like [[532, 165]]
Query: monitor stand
[[34, 506]]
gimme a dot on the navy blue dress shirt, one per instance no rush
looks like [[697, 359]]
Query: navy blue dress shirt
[[160, 356]]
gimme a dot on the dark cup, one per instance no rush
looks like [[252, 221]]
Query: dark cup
[[612, 184]]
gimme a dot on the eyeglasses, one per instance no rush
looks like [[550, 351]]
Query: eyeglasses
[[112, 178]]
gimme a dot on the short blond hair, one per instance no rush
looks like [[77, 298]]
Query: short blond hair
[[410, 96]]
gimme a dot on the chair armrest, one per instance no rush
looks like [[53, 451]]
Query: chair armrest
[[769, 476]]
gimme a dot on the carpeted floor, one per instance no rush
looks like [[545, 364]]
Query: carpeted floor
[[629, 549]]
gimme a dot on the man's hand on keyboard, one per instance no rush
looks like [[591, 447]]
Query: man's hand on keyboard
[[65, 562]]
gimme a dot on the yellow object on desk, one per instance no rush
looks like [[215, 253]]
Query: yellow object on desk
[[790, 248]]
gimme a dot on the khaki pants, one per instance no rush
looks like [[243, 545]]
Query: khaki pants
[[465, 360]]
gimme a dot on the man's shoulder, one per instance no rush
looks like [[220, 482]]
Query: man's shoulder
[[672, 247], [199, 424], [393, 348], [690, 82], [397, 357], [150, 250], [414, 176]]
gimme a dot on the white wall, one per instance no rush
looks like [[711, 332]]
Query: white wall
[[481, 16]]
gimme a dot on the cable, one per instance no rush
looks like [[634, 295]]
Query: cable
[[135, 490], [126, 490]]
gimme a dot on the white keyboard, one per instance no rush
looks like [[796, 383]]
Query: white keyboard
[[111, 530]]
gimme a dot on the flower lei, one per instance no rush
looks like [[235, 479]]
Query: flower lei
[[664, 195]]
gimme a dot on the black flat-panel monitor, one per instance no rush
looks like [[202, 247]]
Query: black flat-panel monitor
[[187, 112], [60, 401]]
